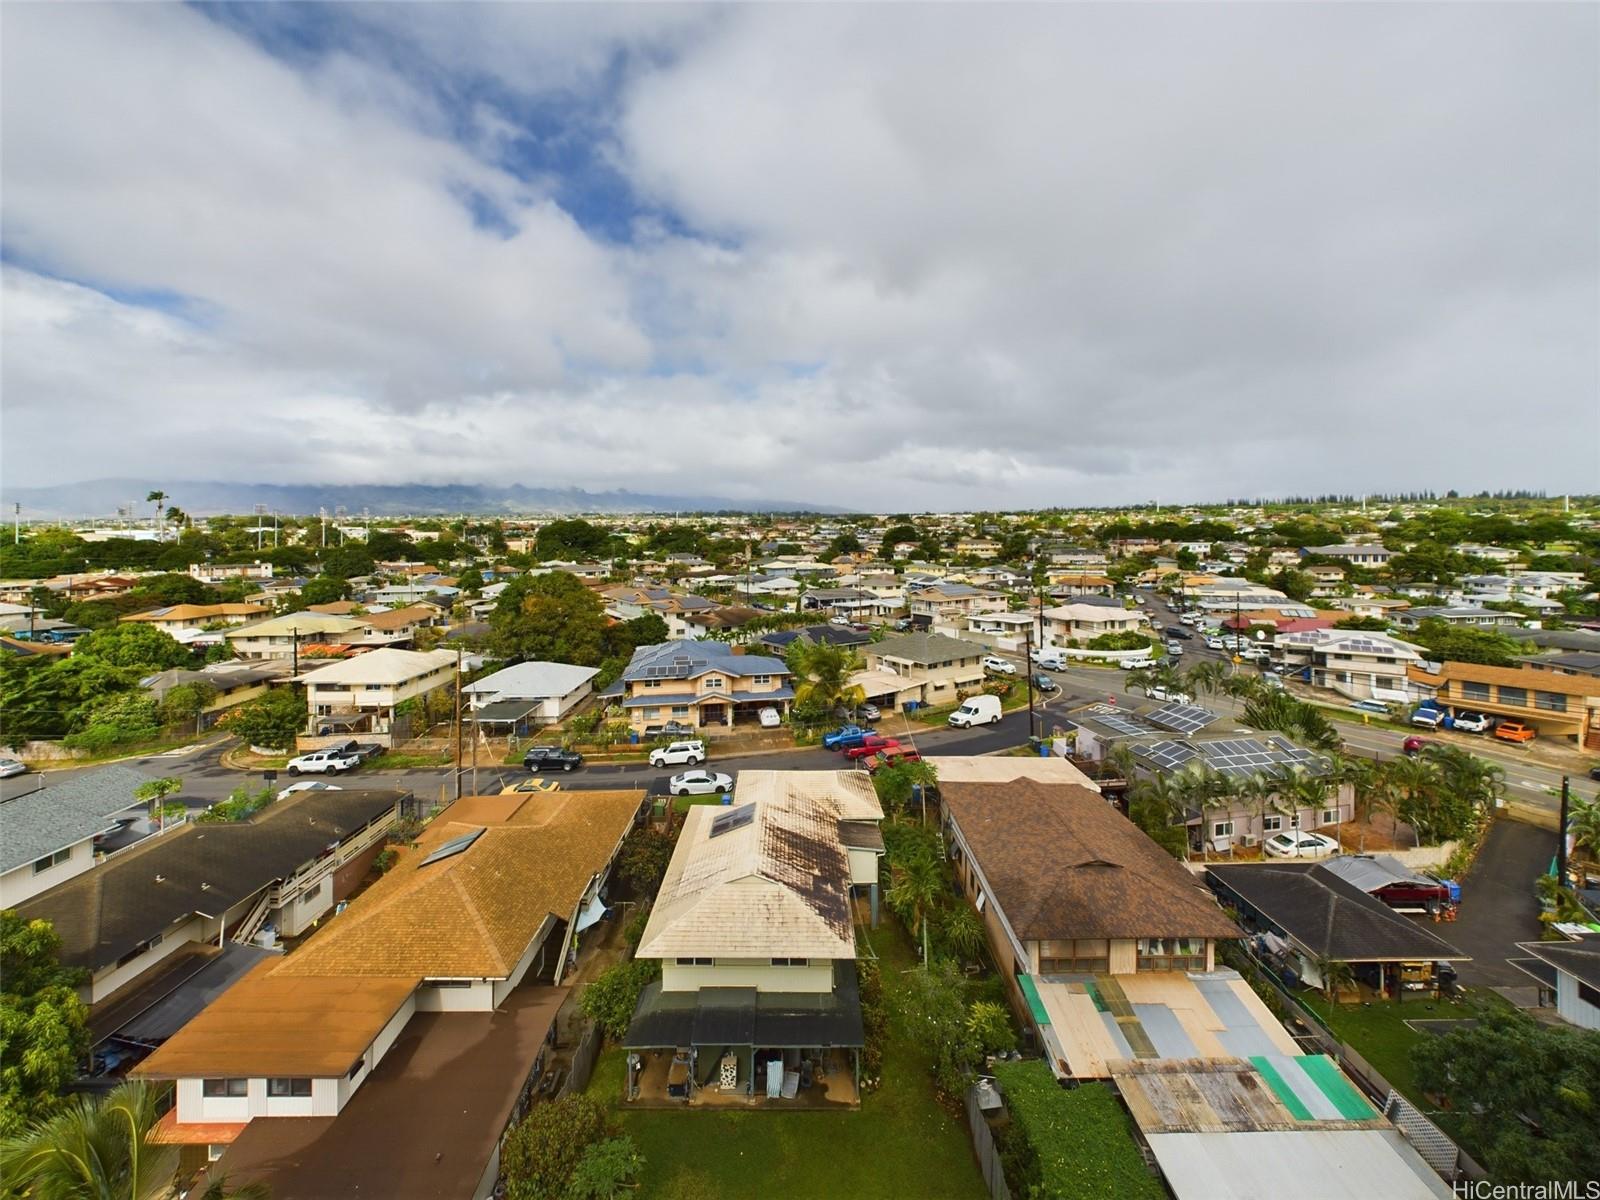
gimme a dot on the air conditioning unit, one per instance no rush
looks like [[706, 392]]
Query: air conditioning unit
[[1249, 839]]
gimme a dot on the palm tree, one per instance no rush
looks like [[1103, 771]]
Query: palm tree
[[1207, 677], [158, 498], [177, 516], [916, 887], [1416, 782], [824, 672], [154, 793], [1583, 822], [100, 1148], [963, 931], [1336, 977]]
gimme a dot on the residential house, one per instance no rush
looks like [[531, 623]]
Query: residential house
[[721, 620], [1078, 583], [920, 669], [232, 684], [1004, 630], [778, 641], [529, 694], [1364, 605], [950, 604], [410, 593], [1460, 614], [858, 604], [1494, 554], [392, 1048], [1555, 703], [704, 684], [179, 618], [286, 867], [398, 626], [1360, 554], [287, 636], [1355, 663], [360, 694], [1078, 559], [1569, 971], [1308, 915], [47, 835], [224, 572], [977, 547], [753, 925], [1083, 620], [1537, 585]]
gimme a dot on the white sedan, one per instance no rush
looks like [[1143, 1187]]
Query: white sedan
[[309, 785], [12, 766], [999, 665], [699, 783], [1171, 696], [1297, 844]]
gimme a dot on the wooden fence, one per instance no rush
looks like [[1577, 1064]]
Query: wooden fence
[[987, 1152]]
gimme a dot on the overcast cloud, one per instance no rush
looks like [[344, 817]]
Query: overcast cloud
[[946, 257]]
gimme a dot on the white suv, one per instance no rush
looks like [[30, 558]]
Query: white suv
[[999, 665], [323, 762], [678, 752]]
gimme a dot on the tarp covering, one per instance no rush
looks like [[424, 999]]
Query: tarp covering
[[592, 913], [1035, 1005]]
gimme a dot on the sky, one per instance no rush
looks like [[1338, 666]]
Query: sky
[[873, 256]]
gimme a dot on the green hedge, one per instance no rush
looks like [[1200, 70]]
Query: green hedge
[[1072, 1144]]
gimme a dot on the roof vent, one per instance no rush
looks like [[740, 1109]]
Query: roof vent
[[161, 878], [205, 887]]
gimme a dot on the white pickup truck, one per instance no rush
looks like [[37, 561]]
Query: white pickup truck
[[324, 762]]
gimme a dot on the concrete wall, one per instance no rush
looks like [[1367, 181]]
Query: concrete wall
[[817, 976], [24, 882]]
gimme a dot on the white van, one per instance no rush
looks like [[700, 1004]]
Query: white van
[[979, 710], [1050, 658]]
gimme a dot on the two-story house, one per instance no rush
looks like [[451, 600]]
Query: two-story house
[[285, 636], [920, 669], [703, 684], [949, 604], [1353, 662], [177, 618], [361, 694], [1082, 621], [1370, 555], [1554, 702], [753, 925]]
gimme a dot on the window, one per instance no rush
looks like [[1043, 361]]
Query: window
[[761, 680], [1549, 701], [1171, 954], [1473, 691], [1514, 696], [42, 865], [232, 1088], [1086, 956], [298, 1088], [1271, 824], [650, 714], [356, 1069], [1330, 816], [714, 683], [215, 1150], [1222, 829], [693, 962], [1589, 995], [791, 962], [680, 710]]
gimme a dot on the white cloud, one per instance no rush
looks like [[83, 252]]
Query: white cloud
[[959, 256]]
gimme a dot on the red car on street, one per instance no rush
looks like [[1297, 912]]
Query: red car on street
[[897, 754], [870, 745]]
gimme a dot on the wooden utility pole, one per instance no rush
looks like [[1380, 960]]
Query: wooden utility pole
[[458, 724]]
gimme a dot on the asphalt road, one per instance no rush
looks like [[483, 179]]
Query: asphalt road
[[1499, 907]]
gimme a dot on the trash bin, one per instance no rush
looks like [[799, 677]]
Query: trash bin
[[727, 798], [633, 737]]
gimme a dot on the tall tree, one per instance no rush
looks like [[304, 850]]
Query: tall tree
[[158, 498], [43, 1024], [551, 617]]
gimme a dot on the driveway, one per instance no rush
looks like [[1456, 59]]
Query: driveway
[[1498, 906]]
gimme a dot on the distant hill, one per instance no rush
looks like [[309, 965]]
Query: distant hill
[[101, 498]]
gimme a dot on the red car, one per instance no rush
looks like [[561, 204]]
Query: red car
[[870, 745], [897, 754], [1415, 745]]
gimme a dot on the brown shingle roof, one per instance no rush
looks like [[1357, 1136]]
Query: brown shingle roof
[[1063, 863], [399, 618], [473, 915]]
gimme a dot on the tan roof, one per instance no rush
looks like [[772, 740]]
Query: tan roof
[[1002, 768], [270, 1023], [850, 791], [307, 624], [336, 608], [778, 885], [197, 612], [474, 914], [386, 666], [1061, 862], [1529, 677], [399, 618]]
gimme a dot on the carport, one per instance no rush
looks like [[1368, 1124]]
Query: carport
[[505, 716]]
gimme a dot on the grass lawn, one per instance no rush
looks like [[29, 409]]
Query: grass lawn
[[901, 1143]]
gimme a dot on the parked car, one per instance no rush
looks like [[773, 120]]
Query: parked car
[[839, 620], [362, 750], [1135, 664], [844, 737], [1429, 718], [551, 758], [998, 665], [323, 762], [1172, 696], [1471, 722], [903, 624], [769, 718], [531, 785], [1594, 773], [870, 745], [699, 783], [1272, 680], [1255, 653], [869, 712], [1044, 683], [977, 710], [1515, 731], [672, 729], [1175, 649], [308, 785], [1189, 618], [886, 758], [1295, 843], [1184, 634], [691, 753], [1415, 745], [12, 766], [1371, 706], [1049, 657]]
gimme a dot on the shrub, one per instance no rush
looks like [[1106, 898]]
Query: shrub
[[239, 806], [610, 1000], [931, 1007], [643, 860], [874, 1017], [990, 1025], [1128, 640], [271, 720], [633, 931], [542, 1152], [606, 1170]]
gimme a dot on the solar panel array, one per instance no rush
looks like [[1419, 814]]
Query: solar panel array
[[1125, 723], [1239, 758], [733, 818], [1181, 718], [453, 847], [1169, 755]]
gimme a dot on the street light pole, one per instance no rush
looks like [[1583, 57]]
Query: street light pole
[[1027, 641]]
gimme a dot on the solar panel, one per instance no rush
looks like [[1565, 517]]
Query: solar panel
[[1130, 725], [1181, 718], [1168, 755], [733, 818], [453, 847]]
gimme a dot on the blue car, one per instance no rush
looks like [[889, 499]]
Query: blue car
[[845, 738]]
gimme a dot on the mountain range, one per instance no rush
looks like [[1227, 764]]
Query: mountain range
[[102, 498]]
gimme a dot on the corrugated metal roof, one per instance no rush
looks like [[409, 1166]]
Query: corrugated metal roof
[[1346, 1164]]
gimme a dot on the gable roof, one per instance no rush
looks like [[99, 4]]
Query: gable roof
[[926, 648], [399, 618], [202, 868], [532, 681], [689, 659], [1372, 872], [386, 666], [850, 792], [1579, 959], [1061, 862], [777, 884], [474, 913], [59, 815], [1330, 917]]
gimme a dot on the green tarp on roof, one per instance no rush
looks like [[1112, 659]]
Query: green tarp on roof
[[1280, 1088], [1322, 1071], [1035, 1004]]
